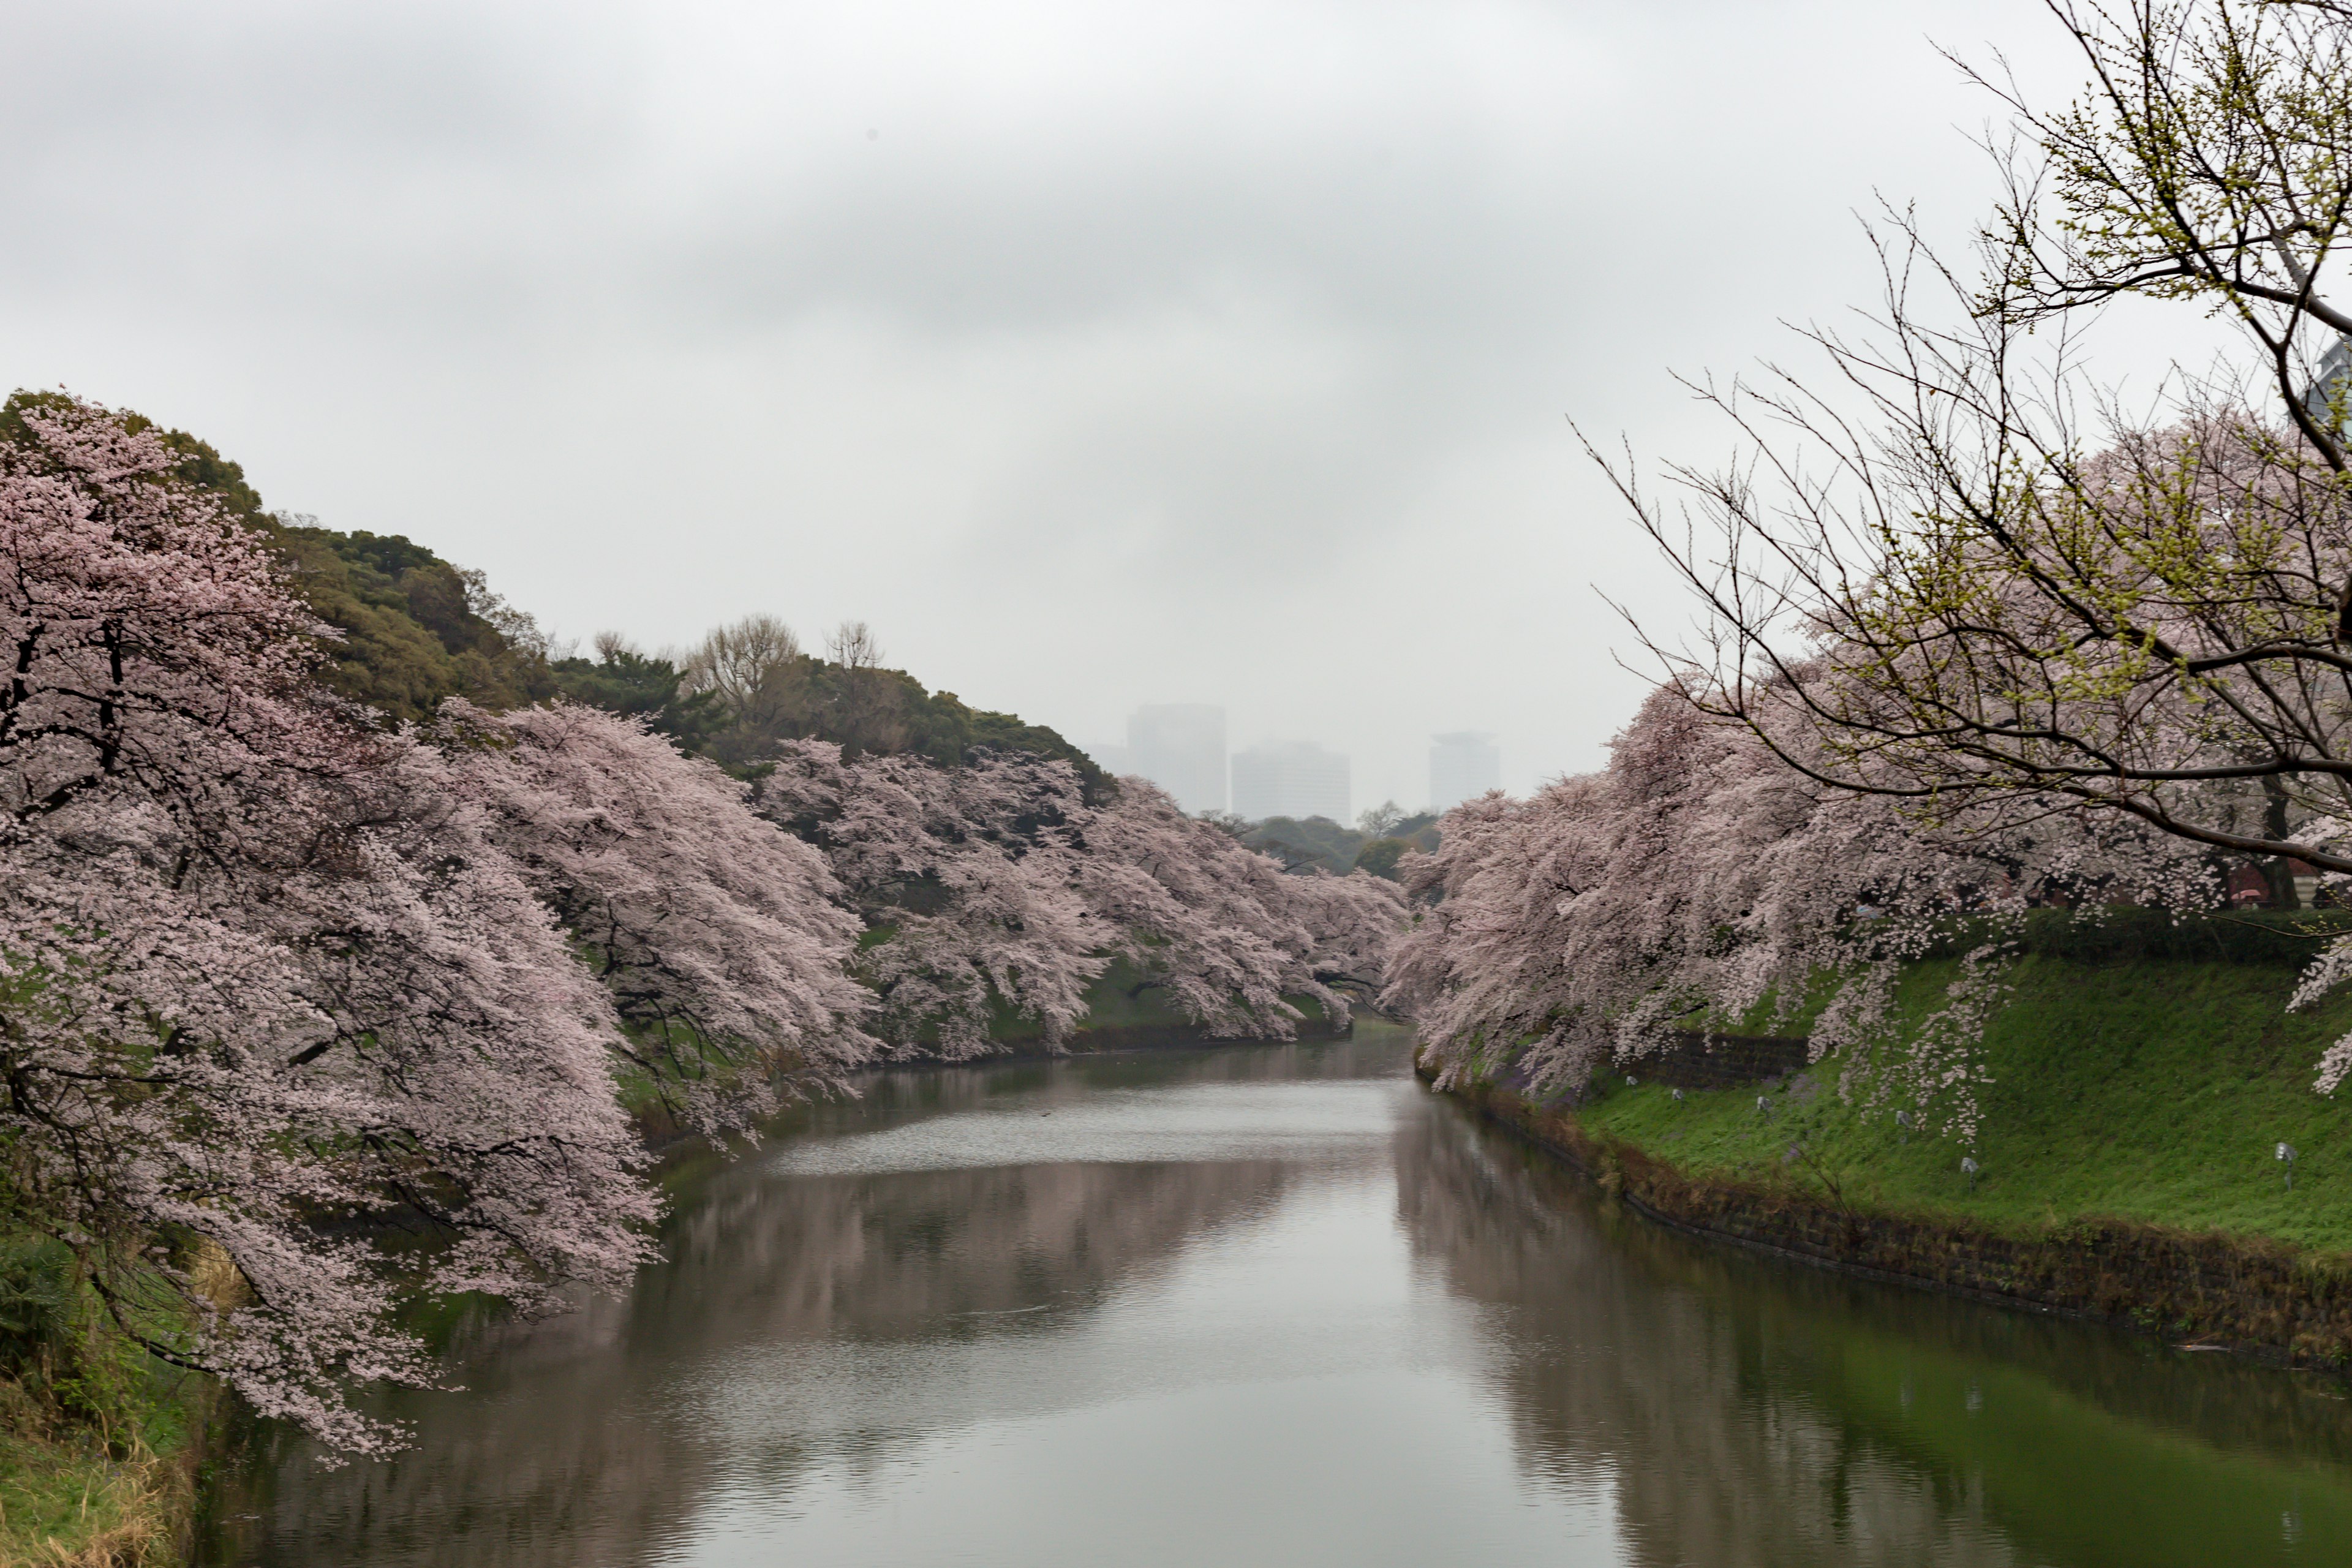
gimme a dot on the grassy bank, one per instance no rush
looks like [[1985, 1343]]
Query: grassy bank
[[2127, 1155], [2148, 1090], [98, 1439], [71, 1496]]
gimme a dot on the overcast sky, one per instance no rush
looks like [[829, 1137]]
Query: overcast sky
[[1096, 355]]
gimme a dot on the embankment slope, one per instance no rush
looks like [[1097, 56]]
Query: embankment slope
[[2127, 1154]]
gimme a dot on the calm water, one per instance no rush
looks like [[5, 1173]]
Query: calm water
[[1280, 1306]]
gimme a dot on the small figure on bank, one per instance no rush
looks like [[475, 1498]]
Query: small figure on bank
[[2286, 1157]]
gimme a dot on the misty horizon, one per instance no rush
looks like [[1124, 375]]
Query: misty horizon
[[1095, 358]]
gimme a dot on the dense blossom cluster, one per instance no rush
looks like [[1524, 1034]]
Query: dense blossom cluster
[[720, 941], [996, 886], [276, 981], [1700, 877], [965, 876], [260, 971], [1959, 576]]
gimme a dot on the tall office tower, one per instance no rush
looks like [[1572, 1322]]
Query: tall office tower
[[1180, 747], [1462, 767], [1290, 778]]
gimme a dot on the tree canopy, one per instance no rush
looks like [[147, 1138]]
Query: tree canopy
[[281, 978]]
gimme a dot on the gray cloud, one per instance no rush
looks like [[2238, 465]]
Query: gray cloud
[[1098, 354]]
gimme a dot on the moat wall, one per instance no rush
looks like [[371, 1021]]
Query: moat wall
[[2279, 1302]]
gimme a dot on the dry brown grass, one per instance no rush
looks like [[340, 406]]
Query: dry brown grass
[[129, 1514], [216, 1278]]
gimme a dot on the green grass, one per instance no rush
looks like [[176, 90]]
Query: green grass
[[2154, 1090], [95, 1434], [67, 1494]]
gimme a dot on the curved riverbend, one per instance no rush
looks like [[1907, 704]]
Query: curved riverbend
[[1278, 1305]]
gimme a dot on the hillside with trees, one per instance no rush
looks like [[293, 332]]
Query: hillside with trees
[[345, 931], [2003, 696], [411, 630], [1378, 842]]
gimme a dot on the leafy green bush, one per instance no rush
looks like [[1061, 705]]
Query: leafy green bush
[[39, 1303]]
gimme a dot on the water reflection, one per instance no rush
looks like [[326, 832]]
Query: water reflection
[[1276, 1305], [1754, 1412]]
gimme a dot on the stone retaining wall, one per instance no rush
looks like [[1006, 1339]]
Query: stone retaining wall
[[2265, 1298]]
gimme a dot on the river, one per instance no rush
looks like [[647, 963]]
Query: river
[[1275, 1305]]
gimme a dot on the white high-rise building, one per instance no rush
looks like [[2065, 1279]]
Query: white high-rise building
[[1180, 747], [1290, 778], [1462, 766]]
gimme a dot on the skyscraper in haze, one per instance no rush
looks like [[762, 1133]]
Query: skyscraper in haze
[[1290, 778], [1180, 747], [1462, 766]]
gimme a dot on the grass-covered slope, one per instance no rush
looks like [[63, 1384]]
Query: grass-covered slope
[[2148, 1089], [96, 1435]]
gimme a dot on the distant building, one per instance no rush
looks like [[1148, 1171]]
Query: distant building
[[2334, 369], [1290, 778], [1180, 747], [1462, 766]]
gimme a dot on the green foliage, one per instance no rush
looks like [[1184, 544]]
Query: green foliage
[[1317, 841], [412, 624], [39, 1302], [860, 709], [93, 1430], [623, 680], [944, 729], [412, 634], [2146, 1090], [1320, 841]]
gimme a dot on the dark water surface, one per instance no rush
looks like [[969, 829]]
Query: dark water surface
[[1279, 1306]]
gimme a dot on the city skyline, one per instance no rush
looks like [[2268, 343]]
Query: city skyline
[[1180, 747], [1298, 779], [1183, 747], [1462, 765]]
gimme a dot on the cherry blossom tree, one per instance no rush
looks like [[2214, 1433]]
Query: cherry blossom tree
[[1954, 573], [278, 984], [151, 647], [995, 885], [1224, 928], [1699, 876], [965, 879], [722, 941], [260, 970]]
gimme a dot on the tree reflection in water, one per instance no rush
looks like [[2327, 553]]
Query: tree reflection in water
[[591, 1438], [969, 1318], [1756, 1412]]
